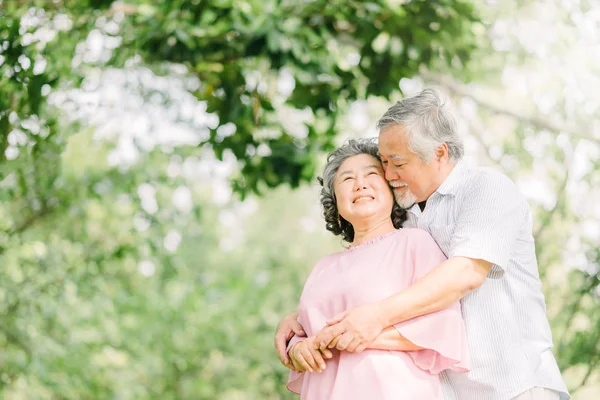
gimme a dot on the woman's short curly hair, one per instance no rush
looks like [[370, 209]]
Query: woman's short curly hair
[[333, 221]]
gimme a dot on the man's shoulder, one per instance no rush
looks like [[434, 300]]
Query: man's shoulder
[[486, 178]]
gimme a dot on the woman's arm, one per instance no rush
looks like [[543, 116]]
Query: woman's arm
[[391, 339]]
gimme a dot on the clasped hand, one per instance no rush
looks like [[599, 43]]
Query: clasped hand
[[353, 331]]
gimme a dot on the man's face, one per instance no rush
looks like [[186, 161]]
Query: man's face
[[412, 179]]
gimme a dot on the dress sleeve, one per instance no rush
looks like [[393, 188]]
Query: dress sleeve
[[441, 334]]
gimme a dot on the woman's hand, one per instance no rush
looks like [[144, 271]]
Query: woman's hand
[[288, 327], [305, 357]]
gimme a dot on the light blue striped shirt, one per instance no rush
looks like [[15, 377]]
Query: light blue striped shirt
[[479, 213]]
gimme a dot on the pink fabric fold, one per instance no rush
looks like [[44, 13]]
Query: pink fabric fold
[[443, 338]]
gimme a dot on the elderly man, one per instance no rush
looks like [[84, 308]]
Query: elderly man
[[483, 225]]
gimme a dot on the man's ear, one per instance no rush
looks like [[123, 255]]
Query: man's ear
[[441, 153]]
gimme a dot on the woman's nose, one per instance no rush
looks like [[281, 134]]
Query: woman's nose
[[360, 184]]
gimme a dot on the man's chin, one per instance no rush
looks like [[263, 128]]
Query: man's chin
[[406, 202], [406, 206]]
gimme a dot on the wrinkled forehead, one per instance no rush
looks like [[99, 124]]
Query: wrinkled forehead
[[392, 143], [397, 152]]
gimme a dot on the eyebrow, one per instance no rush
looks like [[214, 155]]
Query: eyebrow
[[398, 157], [372, 166]]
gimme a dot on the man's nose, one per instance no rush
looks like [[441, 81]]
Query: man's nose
[[390, 174]]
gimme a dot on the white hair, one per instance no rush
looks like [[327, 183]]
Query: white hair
[[428, 124]]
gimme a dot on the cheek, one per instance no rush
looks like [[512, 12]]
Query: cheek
[[385, 193], [340, 197], [414, 177]]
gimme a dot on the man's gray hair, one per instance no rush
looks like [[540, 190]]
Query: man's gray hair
[[333, 221], [427, 124]]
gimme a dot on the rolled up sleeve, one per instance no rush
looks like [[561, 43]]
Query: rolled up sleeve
[[489, 222]]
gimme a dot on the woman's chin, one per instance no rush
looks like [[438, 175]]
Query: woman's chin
[[367, 211]]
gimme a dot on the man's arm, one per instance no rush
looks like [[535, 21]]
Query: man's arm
[[451, 280], [391, 339], [388, 339]]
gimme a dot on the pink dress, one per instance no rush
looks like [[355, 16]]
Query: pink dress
[[363, 275]]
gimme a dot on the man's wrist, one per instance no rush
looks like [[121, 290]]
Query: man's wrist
[[379, 309]]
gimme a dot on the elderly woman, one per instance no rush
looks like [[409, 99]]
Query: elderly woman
[[404, 360]]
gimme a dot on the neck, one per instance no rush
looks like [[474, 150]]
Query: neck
[[367, 231], [444, 170]]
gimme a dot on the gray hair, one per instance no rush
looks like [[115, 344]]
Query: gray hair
[[428, 123], [333, 221]]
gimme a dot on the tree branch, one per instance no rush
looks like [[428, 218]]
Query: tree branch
[[31, 220]]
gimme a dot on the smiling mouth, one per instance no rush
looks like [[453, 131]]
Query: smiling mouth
[[362, 199]]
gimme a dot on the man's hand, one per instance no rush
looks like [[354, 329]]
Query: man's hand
[[352, 330], [305, 357], [285, 331]]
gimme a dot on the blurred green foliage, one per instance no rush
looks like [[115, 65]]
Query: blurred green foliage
[[94, 303], [110, 288], [337, 51]]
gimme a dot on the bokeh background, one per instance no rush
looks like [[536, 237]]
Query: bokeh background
[[158, 204]]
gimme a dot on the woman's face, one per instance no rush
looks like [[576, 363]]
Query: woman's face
[[361, 189]]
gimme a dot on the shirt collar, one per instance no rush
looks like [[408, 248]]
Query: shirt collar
[[450, 185], [453, 180]]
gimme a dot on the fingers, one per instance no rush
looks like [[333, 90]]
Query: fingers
[[296, 365], [303, 363], [297, 329], [280, 346], [337, 318], [361, 348], [318, 357], [327, 334], [353, 345], [308, 358], [285, 331], [334, 342], [327, 354], [344, 341]]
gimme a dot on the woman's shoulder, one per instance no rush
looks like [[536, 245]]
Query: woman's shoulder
[[326, 260], [415, 234], [417, 238]]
